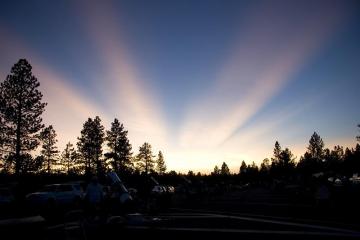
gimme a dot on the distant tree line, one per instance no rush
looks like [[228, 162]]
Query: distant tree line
[[22, 132], [316, 160]]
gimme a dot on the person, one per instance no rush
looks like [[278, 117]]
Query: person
[[94, 196], [322, 195]]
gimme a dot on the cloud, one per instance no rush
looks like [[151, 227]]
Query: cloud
[[273, 44], [67, 108], [128, 96]]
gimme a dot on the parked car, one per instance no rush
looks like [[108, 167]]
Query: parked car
[[60, 194]]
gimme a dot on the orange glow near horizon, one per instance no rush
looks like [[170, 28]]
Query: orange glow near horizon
[[260, 66]]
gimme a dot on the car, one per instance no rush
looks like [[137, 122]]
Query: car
[[60, 194]]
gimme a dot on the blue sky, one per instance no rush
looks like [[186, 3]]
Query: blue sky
[[204, 81]]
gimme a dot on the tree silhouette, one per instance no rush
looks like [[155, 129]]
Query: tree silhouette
[[216, 170], [3, 151], [312, 160], [316, 147], [90, 145], [356, 153], [69, 158], [30, 164], [277, 152], [333, 159], [21, 107], [265, 165], [252, 169], [224, 169], [145, 158], [275, 160], [243, 168], [160, 164], [358, 137], [286, 163], [351, 163], [119, 147], [49, 149], [265, 170]]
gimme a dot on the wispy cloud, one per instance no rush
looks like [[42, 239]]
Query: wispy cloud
[[128, 96], [273, 45], [67, 108]]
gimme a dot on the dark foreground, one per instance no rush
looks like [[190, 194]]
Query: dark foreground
[[251, 214]]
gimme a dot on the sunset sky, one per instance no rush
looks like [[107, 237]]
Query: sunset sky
[[205, 81]]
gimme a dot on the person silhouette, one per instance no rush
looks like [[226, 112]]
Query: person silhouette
[[94, 197]]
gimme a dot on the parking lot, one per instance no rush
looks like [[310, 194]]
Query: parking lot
[[253, 213]]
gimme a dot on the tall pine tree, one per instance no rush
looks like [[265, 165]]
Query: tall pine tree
[[224, 169], [277, 152], [216, 170], [312, 161], [69, 158], [21, 107], [243, 168], [49, 149], [119, 147], [160, 164], [145, 159], [90, 146], [316, 147]]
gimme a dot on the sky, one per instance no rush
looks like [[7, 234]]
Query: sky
[[204, 81]]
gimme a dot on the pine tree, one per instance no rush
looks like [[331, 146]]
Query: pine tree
[[90, 145], [216, 170], [160, 164], [119, 147], [145, 161], [265, 165], [243, 168], [49, 148], [316, 147], [287, 162], [224, 169], [69, 158], [275, 160], [312, 161], [277, 152], [21, 107], [30, 164]]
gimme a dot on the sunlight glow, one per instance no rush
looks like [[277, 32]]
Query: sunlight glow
[[129, 98], [266, 56], [67, 108], [220, 124]]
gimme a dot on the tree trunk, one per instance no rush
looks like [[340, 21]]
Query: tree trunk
[[48, 165], [18, 142], [146, 166]]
